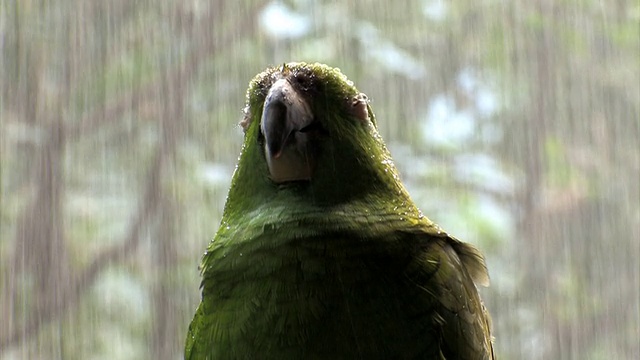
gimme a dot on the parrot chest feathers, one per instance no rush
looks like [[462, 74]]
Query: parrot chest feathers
[[332, 293], [338, 293]]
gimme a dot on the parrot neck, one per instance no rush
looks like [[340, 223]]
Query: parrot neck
[[300, 216]]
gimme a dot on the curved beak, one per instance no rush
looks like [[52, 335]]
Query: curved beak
[[285, 116], [285, 113]]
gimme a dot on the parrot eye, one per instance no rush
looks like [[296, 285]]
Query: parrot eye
[[303, 80]]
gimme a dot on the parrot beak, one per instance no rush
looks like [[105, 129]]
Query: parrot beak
[[286, 119]]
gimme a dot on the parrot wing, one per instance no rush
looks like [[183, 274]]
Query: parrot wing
[[446, 269]]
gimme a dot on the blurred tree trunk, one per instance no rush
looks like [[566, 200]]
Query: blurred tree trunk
[[166, 339], [40, 255]]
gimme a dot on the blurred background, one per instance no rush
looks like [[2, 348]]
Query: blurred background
[[515, 126]]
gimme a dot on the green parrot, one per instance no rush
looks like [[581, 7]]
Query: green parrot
[[321, 253]]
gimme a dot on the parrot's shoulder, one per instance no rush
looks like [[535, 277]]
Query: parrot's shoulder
[[448, 268], [436, 246], [472, 259]]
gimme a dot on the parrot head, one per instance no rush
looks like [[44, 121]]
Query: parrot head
[[307, 127], [293, 129]]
